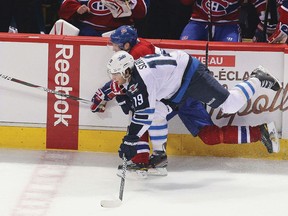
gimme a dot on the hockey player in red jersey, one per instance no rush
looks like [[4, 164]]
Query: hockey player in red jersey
[[217, 20], [192, 112], [95, 17], [280, 35]]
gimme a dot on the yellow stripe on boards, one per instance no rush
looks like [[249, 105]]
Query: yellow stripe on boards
[[109, 141], [23, 138]]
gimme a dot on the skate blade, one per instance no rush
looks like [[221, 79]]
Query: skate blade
[[161, 171], [135, 174]]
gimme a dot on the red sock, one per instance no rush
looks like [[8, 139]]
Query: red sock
[[213, 135]]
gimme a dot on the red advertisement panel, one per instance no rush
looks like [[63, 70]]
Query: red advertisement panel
[[63, 113], [217, 60]]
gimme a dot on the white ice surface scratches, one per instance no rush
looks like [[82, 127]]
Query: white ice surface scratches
[[202, 186], [43, 184]]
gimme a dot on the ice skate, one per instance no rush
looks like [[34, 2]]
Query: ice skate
[[139, 170], [158, 164], [269, 137], [266, 79]]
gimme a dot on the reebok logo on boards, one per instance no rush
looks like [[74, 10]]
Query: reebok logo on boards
[[61, 79]]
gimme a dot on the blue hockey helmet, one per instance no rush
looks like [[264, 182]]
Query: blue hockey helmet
[[124, 34]]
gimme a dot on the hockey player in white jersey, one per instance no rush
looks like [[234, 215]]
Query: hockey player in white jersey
[[172, 78]]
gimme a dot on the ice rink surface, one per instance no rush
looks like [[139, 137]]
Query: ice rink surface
[[64, 183]]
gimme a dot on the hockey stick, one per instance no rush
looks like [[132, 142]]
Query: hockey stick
[[266, 21], [209, 38], [117, 202], [45, 89], [209, 22]]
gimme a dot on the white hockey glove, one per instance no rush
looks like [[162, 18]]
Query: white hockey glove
[[120, 8], [281, 33]]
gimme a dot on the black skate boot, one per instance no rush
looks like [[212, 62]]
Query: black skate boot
[[158, 164], [140, 169], [158, 159], [269, 137], [266, 79]]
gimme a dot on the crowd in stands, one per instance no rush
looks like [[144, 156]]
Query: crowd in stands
[[161, 19]]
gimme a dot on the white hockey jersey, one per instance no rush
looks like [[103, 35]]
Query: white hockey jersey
[[154, 77]]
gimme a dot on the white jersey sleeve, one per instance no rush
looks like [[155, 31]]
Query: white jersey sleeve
[[156, 77]]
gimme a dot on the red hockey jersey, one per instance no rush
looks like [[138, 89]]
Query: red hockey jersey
[[100, 17], [142, 48], [220, 11]]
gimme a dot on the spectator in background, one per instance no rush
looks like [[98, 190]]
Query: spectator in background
[[266, 27], [165, 20], [95, 17], [50, 10], [217, 20], [248, 21], [280, 35], [24, 15]]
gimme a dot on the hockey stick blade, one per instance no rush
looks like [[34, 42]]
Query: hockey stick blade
[[111, 203], [45, 89]]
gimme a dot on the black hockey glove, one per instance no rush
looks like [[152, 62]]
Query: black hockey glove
[[128, 147]]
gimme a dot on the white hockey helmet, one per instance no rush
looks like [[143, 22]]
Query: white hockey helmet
[[119, 62]]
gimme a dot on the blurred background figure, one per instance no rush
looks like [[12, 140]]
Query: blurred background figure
[[280, 35], [217, 20], [165, 20], [24, 16], [50, 10], [95, 17]]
